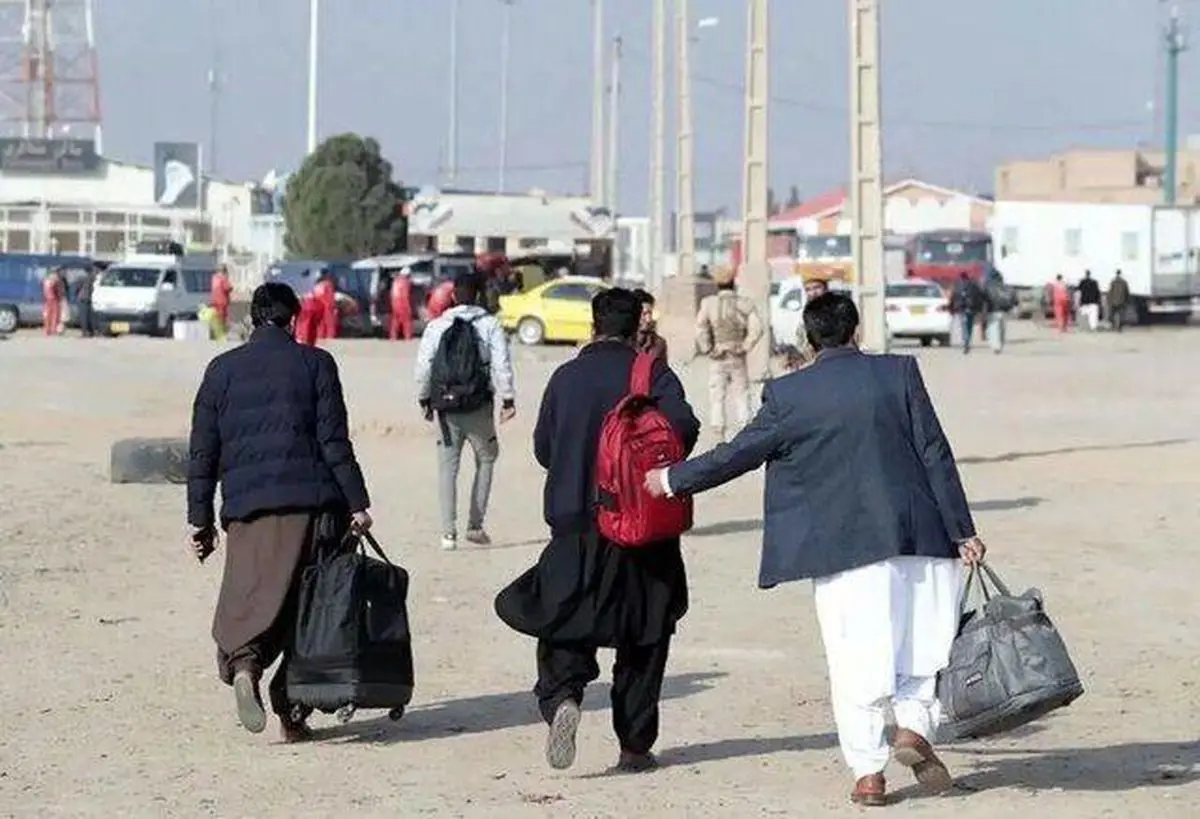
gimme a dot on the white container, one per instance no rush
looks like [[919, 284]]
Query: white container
[[192, 331]]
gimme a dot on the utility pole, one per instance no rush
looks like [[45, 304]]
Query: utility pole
[[452, 125], [505, 57], [685, 234], [1175, 45], [614, 128], [596, 183], [314, 41], [755, 274], [866, 172], [658, 148]]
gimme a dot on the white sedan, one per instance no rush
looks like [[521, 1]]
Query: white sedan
[[917, 308]]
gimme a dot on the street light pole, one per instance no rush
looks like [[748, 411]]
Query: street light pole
[[685, 235], [314, 39], [505, 57], [596, 183], [755, 275], [866, 173], [452, 125], [658, 149], [614, 128]]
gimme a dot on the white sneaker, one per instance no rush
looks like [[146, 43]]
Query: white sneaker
[[449, 543]]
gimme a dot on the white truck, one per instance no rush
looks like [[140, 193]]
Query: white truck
[[1156, 248], [147, 292]]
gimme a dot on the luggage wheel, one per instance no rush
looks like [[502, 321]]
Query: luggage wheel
[[345, 714], [396, 714]]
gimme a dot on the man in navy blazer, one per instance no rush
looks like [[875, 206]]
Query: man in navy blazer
[[863, 496]]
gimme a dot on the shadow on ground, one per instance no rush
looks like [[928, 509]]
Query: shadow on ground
[[1009, 457], [741, 527], [490, 712], [742, 747], [1113, 768]]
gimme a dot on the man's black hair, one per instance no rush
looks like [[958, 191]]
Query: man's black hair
[[644, 296], [466, 288], [274, 304], [616, 313], [830, 321]]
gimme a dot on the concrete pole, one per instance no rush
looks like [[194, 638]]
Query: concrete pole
[[314, 40], [452, 124], [754, 278], [505, 58], [685, 235], [866, 172], [658, 150], [596, 183], [614, 129]]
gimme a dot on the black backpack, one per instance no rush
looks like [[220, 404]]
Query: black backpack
[[459, 379]]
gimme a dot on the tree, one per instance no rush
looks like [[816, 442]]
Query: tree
[[343, 203], [793, 200]]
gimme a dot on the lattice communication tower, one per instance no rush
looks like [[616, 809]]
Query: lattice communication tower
[[49, 77]]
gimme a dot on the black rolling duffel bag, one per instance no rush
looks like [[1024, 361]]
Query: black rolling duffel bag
[[352, 645]]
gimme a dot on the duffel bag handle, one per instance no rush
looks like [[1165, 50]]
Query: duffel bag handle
[[982, 575], [369, 539]]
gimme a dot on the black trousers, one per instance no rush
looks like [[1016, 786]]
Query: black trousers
[[565, 669], [87, 322], [1117, 318]]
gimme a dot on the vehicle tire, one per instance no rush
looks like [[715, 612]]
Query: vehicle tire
[[148, 461], [926, 341], [10, 319], [944, 341], [531, 331], [168, 328]]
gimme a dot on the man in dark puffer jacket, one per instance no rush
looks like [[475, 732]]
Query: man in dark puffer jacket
[[269, 423]]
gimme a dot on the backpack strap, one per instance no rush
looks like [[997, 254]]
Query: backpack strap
[[639, 378]]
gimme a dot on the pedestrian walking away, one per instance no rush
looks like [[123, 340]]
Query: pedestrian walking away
[[969, 303], [1089, 301], [585, 592], [269, 426], [999, 303], [54, 299], [727, 328], [400, 314], [83, 301], [1060, 301], [463, 367], [1118, 301], [887, 586]]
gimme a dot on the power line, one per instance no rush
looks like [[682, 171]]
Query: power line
[[838, 111]]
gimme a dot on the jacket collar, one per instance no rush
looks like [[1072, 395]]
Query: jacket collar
[[604, 345], [271, 333]]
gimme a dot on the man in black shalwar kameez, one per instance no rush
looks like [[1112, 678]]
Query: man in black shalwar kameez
[[269, 424], [585, 593]]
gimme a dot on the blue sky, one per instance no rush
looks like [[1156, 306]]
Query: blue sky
[[968, 83]]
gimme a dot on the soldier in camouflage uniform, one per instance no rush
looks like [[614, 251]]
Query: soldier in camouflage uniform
[[727, 327]]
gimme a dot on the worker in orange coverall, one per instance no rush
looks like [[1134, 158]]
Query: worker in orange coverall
[[325, 293], [54, 294], [400, 320], [220, 296]]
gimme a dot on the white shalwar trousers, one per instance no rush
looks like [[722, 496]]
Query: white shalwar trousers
[[887, 629]]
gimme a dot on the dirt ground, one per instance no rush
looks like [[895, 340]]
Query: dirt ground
[[1080, 455]]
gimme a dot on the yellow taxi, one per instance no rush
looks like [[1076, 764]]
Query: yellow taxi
[[558, 310]]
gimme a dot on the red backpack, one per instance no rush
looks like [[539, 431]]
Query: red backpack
[[635, 438]]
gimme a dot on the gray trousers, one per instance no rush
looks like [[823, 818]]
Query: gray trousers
[[478, 429]]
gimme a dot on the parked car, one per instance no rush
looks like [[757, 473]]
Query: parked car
[[559, 310], [147, 293], [21, 276], [353, 290], [918, 308], [425, 270]]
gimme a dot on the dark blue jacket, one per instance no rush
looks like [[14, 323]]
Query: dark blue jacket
[[269, 422], [858, 468], [565, 441]]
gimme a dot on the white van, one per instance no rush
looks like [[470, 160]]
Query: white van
[[147, 293]]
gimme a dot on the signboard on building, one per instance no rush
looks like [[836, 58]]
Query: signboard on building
[[177, 175], [48, 156]]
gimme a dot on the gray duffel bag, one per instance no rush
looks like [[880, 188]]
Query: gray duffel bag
[[1008, 665]]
